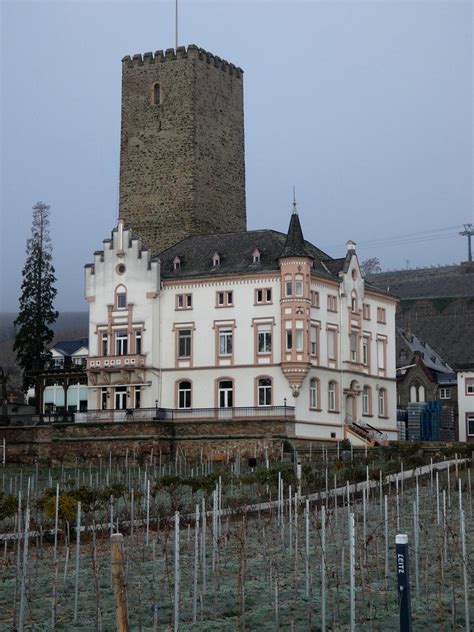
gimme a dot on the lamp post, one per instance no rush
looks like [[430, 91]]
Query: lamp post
[[284, 404]]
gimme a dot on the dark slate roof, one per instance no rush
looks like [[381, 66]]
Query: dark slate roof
[[295, 245], [445, 281], [335, 265], [235, 250], [69, 347], [431, 359]]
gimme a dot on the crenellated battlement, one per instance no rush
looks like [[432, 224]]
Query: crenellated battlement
[[191, 52]]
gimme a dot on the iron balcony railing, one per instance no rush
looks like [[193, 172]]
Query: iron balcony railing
[[187, 414]]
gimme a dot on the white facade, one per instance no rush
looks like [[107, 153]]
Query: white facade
[[466, 404], [287, 337]]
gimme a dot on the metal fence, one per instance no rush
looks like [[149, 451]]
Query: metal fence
[[186, 414]]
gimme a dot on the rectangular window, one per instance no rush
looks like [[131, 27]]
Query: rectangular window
[[353, 347], [298, 285], [470, 424], [121, 300], [289, 335], [224, 298], [366, 311], [381, 315], [332, 303], [121, 343], [263, 296], [381, 354], [264, 339], [288, 288], [314, 299], [225, 341], [184, 301], [299, 335], [365, 351], [365, 401], [184, 343], [299, 340], [103, 398], [138, 397], [331, 340], [445, 393], [314, 341], [470, 386], [138, 342], [104, 344]]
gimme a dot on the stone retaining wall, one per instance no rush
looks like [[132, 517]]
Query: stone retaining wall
[[58, 443]]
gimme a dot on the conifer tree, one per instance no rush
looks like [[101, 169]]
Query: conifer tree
[[33, 333]]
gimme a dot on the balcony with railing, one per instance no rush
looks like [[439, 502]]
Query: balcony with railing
[[113, 362], [188, 414]]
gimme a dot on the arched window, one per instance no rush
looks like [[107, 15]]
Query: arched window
[[314, 393], [157, 94], [332, 395], [421, 393], [382, 398], [264, 391], [184, 394], [256, 256], [367, 400], [120, 297]]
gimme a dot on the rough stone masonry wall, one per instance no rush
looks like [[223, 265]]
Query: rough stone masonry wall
[[444, 323], [52, 444], [181, 162]]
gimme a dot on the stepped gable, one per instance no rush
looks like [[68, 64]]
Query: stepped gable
[[235, 250], [445, 281]]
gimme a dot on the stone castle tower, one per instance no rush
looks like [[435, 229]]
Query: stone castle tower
[[182, 169]]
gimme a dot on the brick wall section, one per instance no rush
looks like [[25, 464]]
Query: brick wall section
[[182, 167], [66, 442]]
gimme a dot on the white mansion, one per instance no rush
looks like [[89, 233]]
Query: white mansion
[[257, 323]]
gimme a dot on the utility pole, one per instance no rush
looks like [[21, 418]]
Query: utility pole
[[468, 232]]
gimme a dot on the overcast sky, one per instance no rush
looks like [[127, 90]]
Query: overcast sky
[[366, 107]]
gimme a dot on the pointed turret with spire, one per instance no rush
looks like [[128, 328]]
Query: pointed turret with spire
[[295, 269], [295, 245]]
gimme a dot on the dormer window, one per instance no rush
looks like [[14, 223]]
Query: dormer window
[[176, 263], [120, 297], [216, 260], [256, 256]]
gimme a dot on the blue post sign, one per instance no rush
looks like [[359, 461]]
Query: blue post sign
[[404, 602]]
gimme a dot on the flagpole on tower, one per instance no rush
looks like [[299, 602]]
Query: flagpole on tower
[[176, 22]]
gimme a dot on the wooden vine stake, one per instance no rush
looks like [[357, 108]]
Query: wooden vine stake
[[121, 617]]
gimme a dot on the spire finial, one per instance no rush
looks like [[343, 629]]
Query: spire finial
[[295, 211]]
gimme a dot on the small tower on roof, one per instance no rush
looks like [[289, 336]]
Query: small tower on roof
[[295, 245], [295, 269]]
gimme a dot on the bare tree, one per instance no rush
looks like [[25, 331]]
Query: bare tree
[[370, 266]]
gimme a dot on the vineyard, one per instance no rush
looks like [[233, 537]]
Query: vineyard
[[229, 546]]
